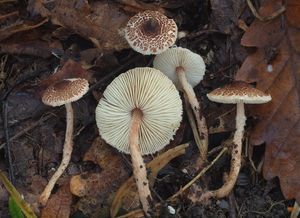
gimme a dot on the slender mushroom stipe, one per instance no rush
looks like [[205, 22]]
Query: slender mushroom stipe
[[236, 93], [63, 93], [137, 160]]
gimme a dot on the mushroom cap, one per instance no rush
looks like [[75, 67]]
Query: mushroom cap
[[192, 64], [150, 32], [238, 92], [155, 95], [65, 91]]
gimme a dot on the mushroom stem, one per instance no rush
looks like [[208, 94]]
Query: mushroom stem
[[200, 119], [235, 155], [68, 147], [139, 168]]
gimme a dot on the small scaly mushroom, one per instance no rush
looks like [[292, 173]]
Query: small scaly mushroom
[[150, 32], [63, 93], [238, 93], [139, 114], [186, 69]]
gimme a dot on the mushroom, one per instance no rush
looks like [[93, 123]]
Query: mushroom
[[150, 32], [186, 69], [238, 93], [139, 113], [63, 93]]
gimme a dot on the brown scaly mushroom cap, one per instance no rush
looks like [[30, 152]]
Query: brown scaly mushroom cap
[[65, 91], [237, 92], [155, 95], [150, 32]]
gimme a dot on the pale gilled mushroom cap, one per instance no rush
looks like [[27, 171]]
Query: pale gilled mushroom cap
[[238, 92], [150, 32], [65, 91], [192, 64], [155, 95]]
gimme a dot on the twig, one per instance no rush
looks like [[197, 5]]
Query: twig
[[7, 1], [32, 126], [9, 15], [193, 124], [267, 18], [137, 212], [7, 148], [205, 169]]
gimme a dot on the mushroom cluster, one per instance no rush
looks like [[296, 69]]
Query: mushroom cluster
[[141, 109]]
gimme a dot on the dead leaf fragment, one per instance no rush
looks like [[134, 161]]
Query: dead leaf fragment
[[277, 73], [70, 69], [101, 22], [59, 204], [96, 189]]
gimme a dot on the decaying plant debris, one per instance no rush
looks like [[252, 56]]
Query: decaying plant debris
[[256, 41]]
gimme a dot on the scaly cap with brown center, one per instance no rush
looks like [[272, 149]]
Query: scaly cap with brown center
[[150, 32], [151, 92], [238, 92], [65, 91]]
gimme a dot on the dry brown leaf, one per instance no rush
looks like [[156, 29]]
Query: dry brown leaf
[[71, 69], [19, 27], [96, 189], [59, 204], [36, 48], [154, 167], [275, 67], [101, 22]]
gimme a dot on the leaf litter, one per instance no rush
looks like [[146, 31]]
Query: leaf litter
[[90, 33]]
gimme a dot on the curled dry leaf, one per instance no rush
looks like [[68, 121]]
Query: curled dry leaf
[[275, 68], [101, 22], [154, 167]]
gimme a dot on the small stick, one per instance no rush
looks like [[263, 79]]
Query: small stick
[[32, 126], [9, 15], [192, 122], [267, 18], [137, 212], [205, 169]]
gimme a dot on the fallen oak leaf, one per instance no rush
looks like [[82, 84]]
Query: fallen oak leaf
[[154, 166], [275, 68]]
